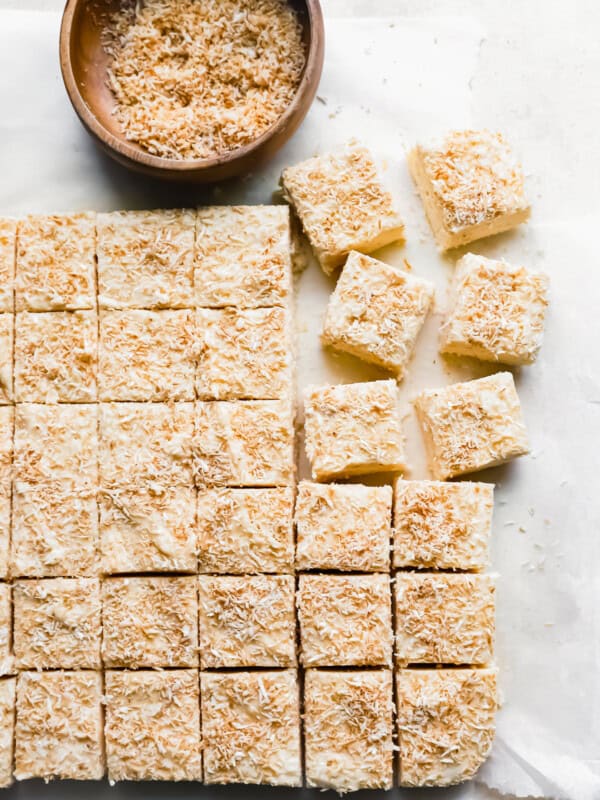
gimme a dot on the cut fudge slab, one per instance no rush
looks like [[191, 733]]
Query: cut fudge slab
[[446, 724], [345, 620], [59, 725], [473, 425], [352, 429], [245, 531], [150, 529], [146, 443], [247, 621], [57, 623], [54, 530], [6, 358], [244, 354], [150, 622], [56, 357], [55, 267], [444, 619], [56, 443], [7, 419], [251, 727], [342, 205], [242, 256], [145, 259], [348, 729], [496, 313], [147, 355], [6, 615], [441, 525], [8, 245], [343, 527], [153, 725], [376, 312], [247, 443], [471, 185], [7, 730], [5, 525]]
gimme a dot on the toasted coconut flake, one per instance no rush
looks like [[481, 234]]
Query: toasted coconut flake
[[5, 528], [6, 358], [8, 688], [6, 649], [7, 418], [8, 245]]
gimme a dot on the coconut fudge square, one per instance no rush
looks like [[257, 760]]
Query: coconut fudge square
[[5, 525], [243, 256], [444, 618], [496, 313], [7, 419], [251, 727], [247, 621], [57, 623], [145, 443], [248, 443], [8, 687], [56, 357], [54, 530], [342, 205], [440, 525], [343, 527], [145, 259], [348, 729], [56, 443], [471, 186], [353, 429], [152, 728], [6, 614], [148, 529], [8, 246], [6, 358], [59, 725], [345, 620], [55, 263], [244, 354], [471, 426], [245, 531], [438, 711], [150, 622], [376, 312], [147, 355]]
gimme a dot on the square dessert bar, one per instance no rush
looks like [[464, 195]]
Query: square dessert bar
[[251, 727], [352, 429], [146, 443], [150, 622], [343, 527], [247, 443], [247, 621], [148, 529], [446, 724], [245, 531], [152, 725], [57, 623], [147, 355], [348, 722], [471, 186], [59, 726], [56, 357], [473, 425], [8, 245], [444, 618], [145, 259], [8, 687], [440, 525], [244, 354], [342, 205], [56, 443], [5, 524], [497, 311], [345, 620], [6, 615], [242, 256], [55, 263], [376, 312], [6, 358]]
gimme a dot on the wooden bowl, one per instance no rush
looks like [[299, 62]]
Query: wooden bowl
[[84, 65]]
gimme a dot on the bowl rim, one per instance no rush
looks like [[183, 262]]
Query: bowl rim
[[122, 147]]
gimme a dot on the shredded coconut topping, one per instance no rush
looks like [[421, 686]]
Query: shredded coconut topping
[[7, 730], [6, 358], [8, 244], [7, 417], [6, 657]]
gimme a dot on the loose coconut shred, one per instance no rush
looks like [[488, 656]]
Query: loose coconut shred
[[194, 79]]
